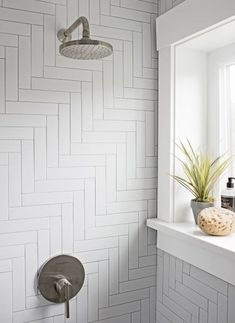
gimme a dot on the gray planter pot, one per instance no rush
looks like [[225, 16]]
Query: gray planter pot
[[197, 207]]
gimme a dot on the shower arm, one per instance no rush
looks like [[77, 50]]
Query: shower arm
[[65, 34]]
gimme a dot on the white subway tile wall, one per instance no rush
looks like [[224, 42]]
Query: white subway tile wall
[[77, 159]]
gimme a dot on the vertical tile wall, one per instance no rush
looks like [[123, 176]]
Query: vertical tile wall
[[78, 159]]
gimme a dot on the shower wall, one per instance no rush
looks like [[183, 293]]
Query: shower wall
[[78, 159]]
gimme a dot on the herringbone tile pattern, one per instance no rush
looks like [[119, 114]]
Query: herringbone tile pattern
[[186, 294], [78, 159]]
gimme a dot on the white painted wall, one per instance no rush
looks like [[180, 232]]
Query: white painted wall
[[77, 159]]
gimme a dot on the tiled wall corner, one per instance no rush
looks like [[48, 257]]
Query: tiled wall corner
[[77, 159], [188, 294]]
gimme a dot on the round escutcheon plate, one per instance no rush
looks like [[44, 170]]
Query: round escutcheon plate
[[62, 266]]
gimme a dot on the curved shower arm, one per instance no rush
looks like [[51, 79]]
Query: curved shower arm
[[65, 34], [85, 25]]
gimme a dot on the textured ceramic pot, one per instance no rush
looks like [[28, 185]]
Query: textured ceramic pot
[[197, 207]]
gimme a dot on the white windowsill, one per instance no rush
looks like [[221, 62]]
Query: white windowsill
[[185, 240]]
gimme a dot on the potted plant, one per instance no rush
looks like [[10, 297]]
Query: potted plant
[[201, 174]]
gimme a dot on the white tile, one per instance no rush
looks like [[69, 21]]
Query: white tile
[[133, 246], [95, 12], [97, 95], [79, 215], [2, 86], [11, 252], [64, 129], [67, 228], [131, 155], [87, 65], [95, 244], [18, 268], [140, 144], [70, 173], [93, 149], [137, 284], [10, 27], [55, 85], [89, 203], [6, 302], [130, 206], [4, 192], [31, 108], [47, 198], [43, 246], [118, 74], [21, 16], [37, 50], [136, 195], [121, 166], [116, 22], [14, 179], [149, 133], [134, 104], [115, 219], [87, 106], [15, 120], [123, 258], [116, 310], [119, 126], [130, 14], [76, 117], [40, 153], [5, 266], [108, 84], [105, 7], [31, 267], [11, 73], [24, 62], [103, 136], [27, 167], [103, 284], [111, 178], [52, 141], [100, 190], [83, 8], [43, 96], [143, 237], [8, 40], [113, 271], [93, 297], [3, 159], [34, 211], [128, 66], [82, 160], [82, 305], [30, 5], [134, 93], [116, 114], [67, 73], [138, 5], [49, 40]]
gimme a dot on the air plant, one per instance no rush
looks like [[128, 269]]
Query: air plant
[[201, 172]]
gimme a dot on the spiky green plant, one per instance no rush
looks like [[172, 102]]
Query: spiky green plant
[[201, 172]]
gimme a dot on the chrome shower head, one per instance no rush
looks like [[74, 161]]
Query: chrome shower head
[[85, 48]]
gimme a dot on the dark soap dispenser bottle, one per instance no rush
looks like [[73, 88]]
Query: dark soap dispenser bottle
[[228, 195]]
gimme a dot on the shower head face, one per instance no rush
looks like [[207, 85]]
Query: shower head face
[[86, 49]]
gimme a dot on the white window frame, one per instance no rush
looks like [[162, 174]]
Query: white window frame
[[174, 28]]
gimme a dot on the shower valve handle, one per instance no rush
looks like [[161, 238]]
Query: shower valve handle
[[63, 289]]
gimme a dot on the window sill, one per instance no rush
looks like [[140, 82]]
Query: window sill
[[215, 255]]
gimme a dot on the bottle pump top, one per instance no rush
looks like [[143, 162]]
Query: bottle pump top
[[230, 183]]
